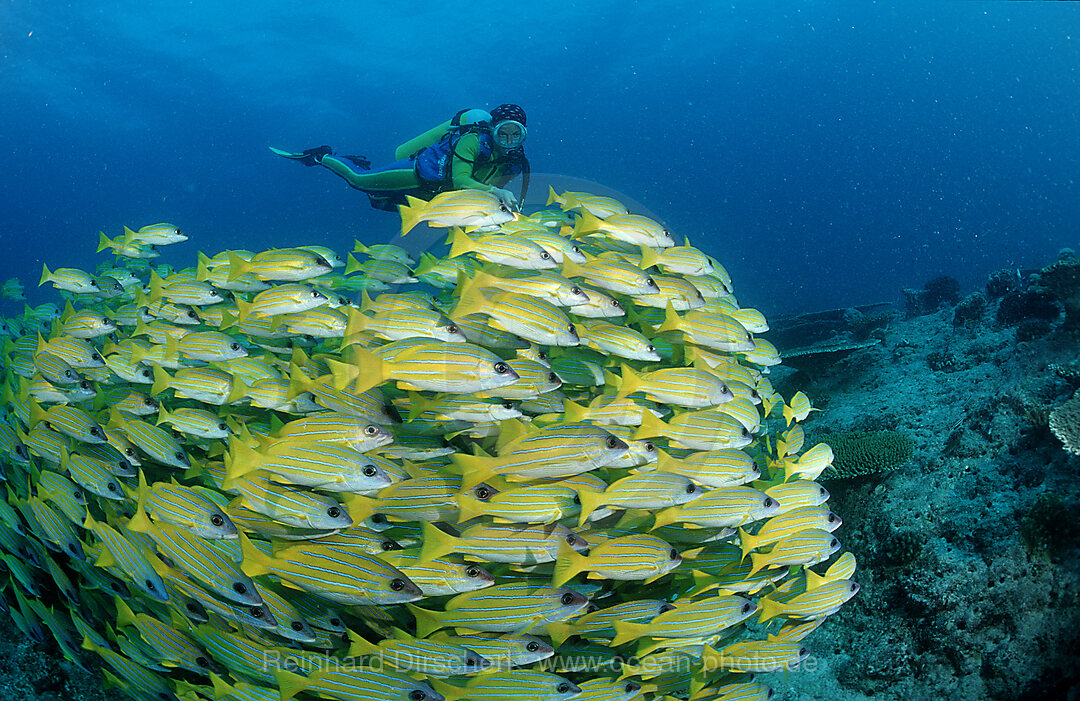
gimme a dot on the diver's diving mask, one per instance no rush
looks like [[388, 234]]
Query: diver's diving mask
[[509, 134]]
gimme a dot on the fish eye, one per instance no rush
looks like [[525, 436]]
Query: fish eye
[[181, 455], [85, 384], [650, 447], [256, 612], [567, 599], [416, 694], [553, 378], [388, 545], [571, 329], [451, 328], [616, 303], [650, 348], [501, 368], [397, 584], [333, 512], [504, 208], [234, 346], [297, 626], [575, 290], [611, 442], [769, 502], [483, 493], [368, 471], [630, 687], [191, 607], [577, 500], [832, 518], [803, 652], [673, 554], [650, 282], [223, 427], [240, 588], [563, 688], [150, 402], [130, 452], [96, 357], [833, 543], [150, 585], [747, 607], [217, 520], [315, 294], [472, 571], [544, 255], [371, 429], [111, 486], [532, 646], [336, 622], [97, 432], [77, 494], [691, 488], [378, 518], [202, 661], [571, 539], [508, 405]]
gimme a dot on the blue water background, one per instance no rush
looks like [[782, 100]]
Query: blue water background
[[829, 154]]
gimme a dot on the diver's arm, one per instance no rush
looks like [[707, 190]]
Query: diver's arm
[[461, 169]]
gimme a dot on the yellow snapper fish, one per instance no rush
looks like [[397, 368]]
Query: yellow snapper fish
[[68, 279], [596, 205], [472, 209], [162, 234], [630, 228], [12, 289], [502, 249], [330, 459]]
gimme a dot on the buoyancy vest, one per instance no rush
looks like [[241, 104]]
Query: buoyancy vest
[[434, 164]]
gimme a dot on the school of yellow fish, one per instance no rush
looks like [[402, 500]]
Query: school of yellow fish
[[558, 473]]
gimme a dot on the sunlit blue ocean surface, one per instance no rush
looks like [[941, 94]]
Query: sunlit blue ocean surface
[[828, 153]]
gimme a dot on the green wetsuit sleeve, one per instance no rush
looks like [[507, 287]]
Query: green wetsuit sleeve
[[464, 165]]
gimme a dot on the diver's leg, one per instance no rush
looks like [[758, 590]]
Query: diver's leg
[[395, 176]]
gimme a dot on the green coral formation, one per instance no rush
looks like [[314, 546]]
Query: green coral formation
[[860, 453]]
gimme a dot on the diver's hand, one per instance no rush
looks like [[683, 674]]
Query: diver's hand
[[506, 197]]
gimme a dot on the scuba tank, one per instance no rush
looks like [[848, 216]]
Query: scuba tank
[[464, 118]]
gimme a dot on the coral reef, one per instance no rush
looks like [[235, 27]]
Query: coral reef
[[943, 290], [1065, 423], [1020, 305], [1061, 281], [943, 361], [1030, 330], [970, 310], [1001, 282], [989, 606], [861, 453], [1049, 527]]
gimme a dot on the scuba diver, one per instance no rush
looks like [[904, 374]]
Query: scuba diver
[[475, 150]]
